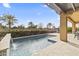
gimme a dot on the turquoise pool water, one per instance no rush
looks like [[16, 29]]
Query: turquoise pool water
[[27, 46]]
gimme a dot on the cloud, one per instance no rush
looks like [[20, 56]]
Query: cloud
[[44, 6], [38, 13], [6, 5], [30, 20]]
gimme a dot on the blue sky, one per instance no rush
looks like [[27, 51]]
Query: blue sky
[[35, 12]]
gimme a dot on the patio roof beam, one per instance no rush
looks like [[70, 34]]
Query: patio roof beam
[[55, 7], [74, 9], [77, 22], [71, 20]]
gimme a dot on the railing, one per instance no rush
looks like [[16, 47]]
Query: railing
[[5, 45]]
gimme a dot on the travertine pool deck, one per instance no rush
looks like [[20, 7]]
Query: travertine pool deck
[[71, 48]]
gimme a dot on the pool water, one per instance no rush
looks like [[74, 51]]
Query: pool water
[[27, 46]]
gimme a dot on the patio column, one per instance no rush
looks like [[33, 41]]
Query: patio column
[[73, 27], [63, 27]]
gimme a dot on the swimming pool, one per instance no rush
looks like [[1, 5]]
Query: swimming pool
[[27, 46]]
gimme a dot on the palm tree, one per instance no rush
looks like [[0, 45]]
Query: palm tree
[[1, 21], [9, 19], [49, 25], [40, 25], [21, 27], [30, 24]]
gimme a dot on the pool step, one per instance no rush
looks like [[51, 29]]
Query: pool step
[[52, 41]]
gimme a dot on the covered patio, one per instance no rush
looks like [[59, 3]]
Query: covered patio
[[66, 44], [68, 12]]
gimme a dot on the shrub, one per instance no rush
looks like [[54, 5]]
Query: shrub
[[25, 33], [19, 33], [69, 29]]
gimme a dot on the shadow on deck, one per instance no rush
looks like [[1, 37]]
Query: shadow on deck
[[73, 44]]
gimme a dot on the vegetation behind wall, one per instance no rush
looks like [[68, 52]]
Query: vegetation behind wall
[[69, 29], [20, 33], [25, 33]]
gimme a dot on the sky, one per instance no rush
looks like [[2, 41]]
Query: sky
[[31, 12]]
